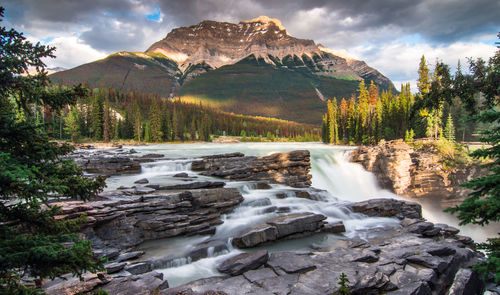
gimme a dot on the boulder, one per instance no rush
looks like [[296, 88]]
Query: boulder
[[138, 268], [388, 208], [334, 227], [181, 175], [243, 262], [142, 181], [114, 267], [287, 226], [466, 282]]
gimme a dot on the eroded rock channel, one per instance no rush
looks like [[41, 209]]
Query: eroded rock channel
[[242, 225]]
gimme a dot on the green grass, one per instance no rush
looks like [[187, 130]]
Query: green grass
[[254, 87]]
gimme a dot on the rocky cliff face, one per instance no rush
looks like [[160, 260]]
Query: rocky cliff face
[[221, 43], [415, 173]]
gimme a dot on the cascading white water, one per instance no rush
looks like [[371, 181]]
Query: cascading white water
[[343, 181]]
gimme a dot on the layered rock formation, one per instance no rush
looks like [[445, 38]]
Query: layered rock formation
[[119, 220], [290, 168], [414, 173], [418, 258]]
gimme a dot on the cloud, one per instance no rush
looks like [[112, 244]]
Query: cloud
[[390, 35], [71, 51], [400, 61]]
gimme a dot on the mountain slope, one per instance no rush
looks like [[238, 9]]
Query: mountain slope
[[126, 71], [254, 68], [258, 88]]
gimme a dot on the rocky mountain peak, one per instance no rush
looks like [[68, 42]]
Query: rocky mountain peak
[[265, 21], [222, 43]]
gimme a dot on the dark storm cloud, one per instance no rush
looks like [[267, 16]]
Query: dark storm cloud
[[112, 25]]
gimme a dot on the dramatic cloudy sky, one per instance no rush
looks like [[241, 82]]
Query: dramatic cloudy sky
[[390, 35]]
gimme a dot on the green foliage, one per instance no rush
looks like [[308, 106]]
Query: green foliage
[[483, 204], [409, 136], [343, 283], [449, 130], [370, 119], [32, 242]]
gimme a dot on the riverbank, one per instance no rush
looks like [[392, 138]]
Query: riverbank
[[345, 182]]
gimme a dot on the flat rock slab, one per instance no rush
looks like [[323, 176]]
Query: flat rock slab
[[278, 228], [290, 263], [243, 262]]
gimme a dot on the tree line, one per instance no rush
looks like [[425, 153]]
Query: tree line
[[108, 114], [442, 108]]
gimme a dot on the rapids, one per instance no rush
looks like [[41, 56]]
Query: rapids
[[331, 171]]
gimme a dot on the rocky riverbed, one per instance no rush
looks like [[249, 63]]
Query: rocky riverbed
[[412, 257]]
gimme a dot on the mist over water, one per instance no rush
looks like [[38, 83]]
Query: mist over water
[[343, 182]]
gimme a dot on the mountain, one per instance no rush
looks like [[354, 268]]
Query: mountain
[[253, 68]]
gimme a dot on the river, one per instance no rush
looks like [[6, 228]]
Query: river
[[331, 171]]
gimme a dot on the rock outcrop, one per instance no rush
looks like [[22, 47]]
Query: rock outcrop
[[283, 227], [291, 168], [120, 221], [414, 173], [415, 259]]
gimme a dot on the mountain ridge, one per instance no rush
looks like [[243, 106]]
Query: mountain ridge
[[190, 63]]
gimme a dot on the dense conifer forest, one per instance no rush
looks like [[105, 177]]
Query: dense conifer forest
[[109, 115]]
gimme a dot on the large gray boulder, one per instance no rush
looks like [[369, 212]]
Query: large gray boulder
[[288, 226]]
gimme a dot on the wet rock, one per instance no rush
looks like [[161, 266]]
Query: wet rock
[[114, 267], [243, 262], [278, 228], [256, 236], [334, 227], [142, 181], [368, 256], [262, 185], [297, 223], [143, 284], [193, 185], [291, 168], [129, 256], [181, 175], [142, 190], [259, 202], [203, 250], [388, 208], [108, 165], [138, 268], [466, 282]]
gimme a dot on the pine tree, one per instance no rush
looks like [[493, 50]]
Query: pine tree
[[33, 244], [137, 122], [72, 126], [156, 122], [483, 204], [423, 82], [449, 130], [97, 116], [106, 134]]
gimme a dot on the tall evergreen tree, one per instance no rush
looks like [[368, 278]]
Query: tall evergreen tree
[[33, 244], [423, 81], [72, 126], [156, 124], [449, 130], [137, 122], [106, 128]]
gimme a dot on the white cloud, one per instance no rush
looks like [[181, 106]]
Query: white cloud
[[71, 52], [399, 61]]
